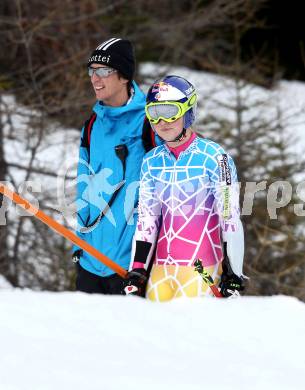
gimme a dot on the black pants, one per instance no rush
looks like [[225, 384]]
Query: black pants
[[93, 284]]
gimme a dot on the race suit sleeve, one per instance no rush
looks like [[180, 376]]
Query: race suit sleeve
[[82, 206], [226, 193], [146, 234]]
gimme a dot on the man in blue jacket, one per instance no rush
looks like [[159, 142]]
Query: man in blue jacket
[[111, 154]]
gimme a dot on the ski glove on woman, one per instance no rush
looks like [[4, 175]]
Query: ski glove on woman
[[230, 284], [135, 283]]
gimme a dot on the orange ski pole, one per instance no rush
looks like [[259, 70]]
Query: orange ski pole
[[62, 230]]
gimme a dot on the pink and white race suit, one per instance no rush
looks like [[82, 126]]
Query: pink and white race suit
[[188, 206]]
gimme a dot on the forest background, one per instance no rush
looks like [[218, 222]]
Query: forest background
[[44, 50]]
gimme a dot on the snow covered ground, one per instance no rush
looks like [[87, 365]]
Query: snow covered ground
[[63, 341]]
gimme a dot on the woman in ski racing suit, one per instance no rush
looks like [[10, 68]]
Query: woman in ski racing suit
[[188, 205]]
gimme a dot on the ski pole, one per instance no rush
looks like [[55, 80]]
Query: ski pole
[[207, 278], [62, 230]]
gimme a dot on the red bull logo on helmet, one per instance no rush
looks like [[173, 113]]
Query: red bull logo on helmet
[[160, 87]]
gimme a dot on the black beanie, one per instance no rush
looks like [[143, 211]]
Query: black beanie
[[118, 54]]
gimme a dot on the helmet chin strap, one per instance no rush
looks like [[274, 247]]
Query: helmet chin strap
[[178, 138]]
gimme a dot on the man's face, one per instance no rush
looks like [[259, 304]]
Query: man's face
[[111, 90]]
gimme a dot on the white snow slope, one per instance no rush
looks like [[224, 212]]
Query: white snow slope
[[63, 341]]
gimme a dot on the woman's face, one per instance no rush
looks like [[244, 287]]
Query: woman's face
[[168, 131]]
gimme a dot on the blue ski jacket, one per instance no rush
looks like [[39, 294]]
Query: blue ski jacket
[[100, 172]]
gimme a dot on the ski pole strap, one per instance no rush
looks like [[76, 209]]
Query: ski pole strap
[[207, 278]]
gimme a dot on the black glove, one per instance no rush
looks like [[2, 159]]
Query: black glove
[[231, 284], [77, 255], [135, 283]]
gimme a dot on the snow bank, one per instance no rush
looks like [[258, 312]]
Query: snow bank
[[78, 341]]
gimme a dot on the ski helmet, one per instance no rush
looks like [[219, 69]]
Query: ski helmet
[[175, 89]]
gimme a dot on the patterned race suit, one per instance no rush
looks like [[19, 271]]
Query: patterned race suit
[[188, 206]]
